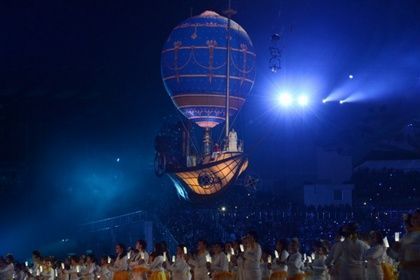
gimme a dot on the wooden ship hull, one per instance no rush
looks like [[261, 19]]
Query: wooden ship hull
[[212, 175]]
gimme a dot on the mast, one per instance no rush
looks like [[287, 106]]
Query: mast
[[229, 13]]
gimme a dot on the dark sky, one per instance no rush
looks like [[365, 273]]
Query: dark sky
[[80, 87]]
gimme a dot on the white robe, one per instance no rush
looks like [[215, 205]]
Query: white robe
[[410, 251], [47, 274], [334, 259], [265, 271], [294, 264], [138, 261], [240, 267], [21, 276], [252, 259], [72, 273], [36, 267], [374, 257], [7, 272], [219, 263], [199, 264], [233, 141], [319, 269], [105, 273], [280, 263], [62, 275], [180, 270], [88, 272], [157, 264], [237, 268], [120, 264], [352, 259]]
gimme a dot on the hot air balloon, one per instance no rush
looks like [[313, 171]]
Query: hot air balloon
[[208, 69]]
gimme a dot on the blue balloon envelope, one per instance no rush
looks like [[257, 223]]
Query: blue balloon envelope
[[194, 68]]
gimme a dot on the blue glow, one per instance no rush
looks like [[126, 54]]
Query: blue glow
[[355, 97], [285, 99], [303, 100], [179, 188], [339, 94]]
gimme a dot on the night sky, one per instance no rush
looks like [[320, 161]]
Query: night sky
[[81, 97]]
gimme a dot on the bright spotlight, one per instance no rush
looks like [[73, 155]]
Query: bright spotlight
[[351, 76], [303, 100], [324, 100], [223, 208], [285, 99], [342, 101]]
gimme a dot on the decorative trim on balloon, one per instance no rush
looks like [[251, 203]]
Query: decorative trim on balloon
[[207, 117], [187, 100], [211, 47], [240, 50], [206, 76], [234, 26], [194, 35], [206, 112], [207, 105]]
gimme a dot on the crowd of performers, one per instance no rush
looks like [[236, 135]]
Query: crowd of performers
[[352, 256]]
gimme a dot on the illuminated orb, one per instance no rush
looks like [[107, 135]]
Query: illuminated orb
[[303, 100], [285, 99]]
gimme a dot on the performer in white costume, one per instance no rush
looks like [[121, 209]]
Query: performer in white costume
[[180, 269], [48, 272], [37, 262], [294, 261], [7, 272], [199, 262], [120, 265], [103, 271], [236, 262], [265, 266], [21, 273], [89, 270], [73, 271], [157, 272], [36, 259], [333, 259], [375, 256], [319, 268], [138, 262], [219, 266], [409, 253], [352, 254], [233, 141], [251, 257], [279, 267]]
